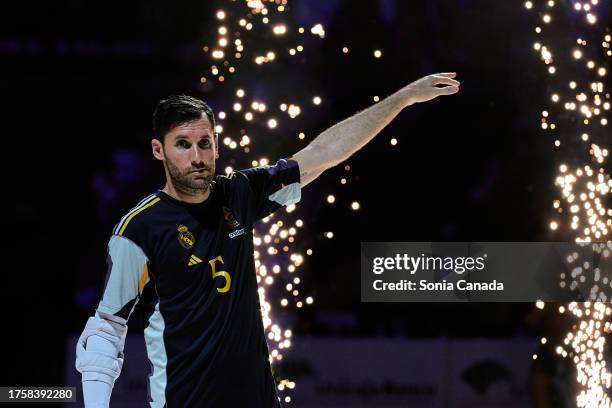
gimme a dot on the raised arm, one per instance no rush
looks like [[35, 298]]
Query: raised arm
[[340, 141]]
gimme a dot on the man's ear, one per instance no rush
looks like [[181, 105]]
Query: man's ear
[[157, 148]]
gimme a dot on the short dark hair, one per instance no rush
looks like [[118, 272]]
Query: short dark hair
[[177, 110]]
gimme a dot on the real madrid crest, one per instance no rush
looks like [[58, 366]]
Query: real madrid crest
[[185, 237]]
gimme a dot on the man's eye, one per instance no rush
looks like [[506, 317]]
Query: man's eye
[[182, 143], [205, 143]]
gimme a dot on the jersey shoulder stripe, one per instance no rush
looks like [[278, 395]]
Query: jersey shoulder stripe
[[143, 205]]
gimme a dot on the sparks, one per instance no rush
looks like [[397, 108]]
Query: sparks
[[581, 207]]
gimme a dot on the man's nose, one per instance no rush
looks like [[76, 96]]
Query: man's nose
[[196, 155]]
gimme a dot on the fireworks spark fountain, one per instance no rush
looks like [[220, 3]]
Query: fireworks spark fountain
[[577, 119]]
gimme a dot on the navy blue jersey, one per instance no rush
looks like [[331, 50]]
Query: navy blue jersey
[[191, 268]]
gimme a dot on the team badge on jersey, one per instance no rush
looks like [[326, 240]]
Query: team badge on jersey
[[185, 237], [229, 218], [232, 223]]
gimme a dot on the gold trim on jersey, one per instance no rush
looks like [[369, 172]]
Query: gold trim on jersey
[[127, 221], [144, 278]]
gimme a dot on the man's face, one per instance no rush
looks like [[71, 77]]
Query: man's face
[[189, 152]]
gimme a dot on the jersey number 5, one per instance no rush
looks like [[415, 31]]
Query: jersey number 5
[[224, 274]]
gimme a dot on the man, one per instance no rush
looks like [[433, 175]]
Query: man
[[184, 255]]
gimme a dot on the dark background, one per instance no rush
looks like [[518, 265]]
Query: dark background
[[80, 81]]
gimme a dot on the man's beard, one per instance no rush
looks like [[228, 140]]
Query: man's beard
[[185, 183]]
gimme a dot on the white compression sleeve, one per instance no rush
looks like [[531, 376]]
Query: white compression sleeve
[[100, 358]]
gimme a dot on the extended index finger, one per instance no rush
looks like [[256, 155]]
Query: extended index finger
[[447, 74], [442, 80]]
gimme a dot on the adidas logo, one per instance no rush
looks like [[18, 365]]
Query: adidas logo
[[194, 260]]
